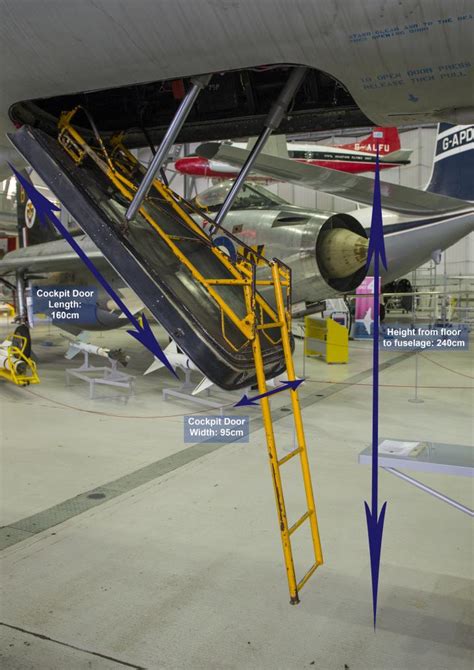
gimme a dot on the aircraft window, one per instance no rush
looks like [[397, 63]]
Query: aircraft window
[[250, 196]]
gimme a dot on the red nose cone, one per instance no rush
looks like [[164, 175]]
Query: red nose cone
[[193, 165]]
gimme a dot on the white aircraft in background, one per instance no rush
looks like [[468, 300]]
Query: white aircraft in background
[[354, 157]]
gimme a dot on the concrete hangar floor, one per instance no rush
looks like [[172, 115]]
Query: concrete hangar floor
[[124, 547]]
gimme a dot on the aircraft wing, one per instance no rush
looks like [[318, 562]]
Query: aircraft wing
[[49, 257], [342, 184]]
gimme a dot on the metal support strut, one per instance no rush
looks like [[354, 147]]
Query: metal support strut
[[273, 120], [168, 140], [432, 492], [20, 297]]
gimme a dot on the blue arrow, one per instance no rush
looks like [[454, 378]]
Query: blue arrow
[[374, 520], [45, 210], [245, 400]]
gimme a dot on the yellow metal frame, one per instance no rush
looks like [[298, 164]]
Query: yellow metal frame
[[9, 308], [333, 336], [119, 165], [14, 354], [78, 149], [286, 531]]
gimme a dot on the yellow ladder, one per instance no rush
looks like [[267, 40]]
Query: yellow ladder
[[310, 515], [260, 318]]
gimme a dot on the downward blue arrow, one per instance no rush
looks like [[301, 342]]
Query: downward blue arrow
[[374, 520], [245, 400], [45, 210]]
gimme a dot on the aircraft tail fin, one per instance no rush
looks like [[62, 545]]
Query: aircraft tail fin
[[72, 351], [389, 142], [133, 302], [171, 348], [453, 163], [204, 384], [157, 364], [31, 230]]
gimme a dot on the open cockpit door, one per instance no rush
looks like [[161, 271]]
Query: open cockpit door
[[189, 285]]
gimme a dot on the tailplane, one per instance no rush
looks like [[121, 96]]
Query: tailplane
[[402, 156], [453, 163]]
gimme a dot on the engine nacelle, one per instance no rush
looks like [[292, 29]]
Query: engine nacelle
[[327, 254], [341, 252]]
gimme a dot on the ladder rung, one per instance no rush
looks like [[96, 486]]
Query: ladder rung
[[273, 324], [301, 520], [228, 282], [290, 455], [308, 575]]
